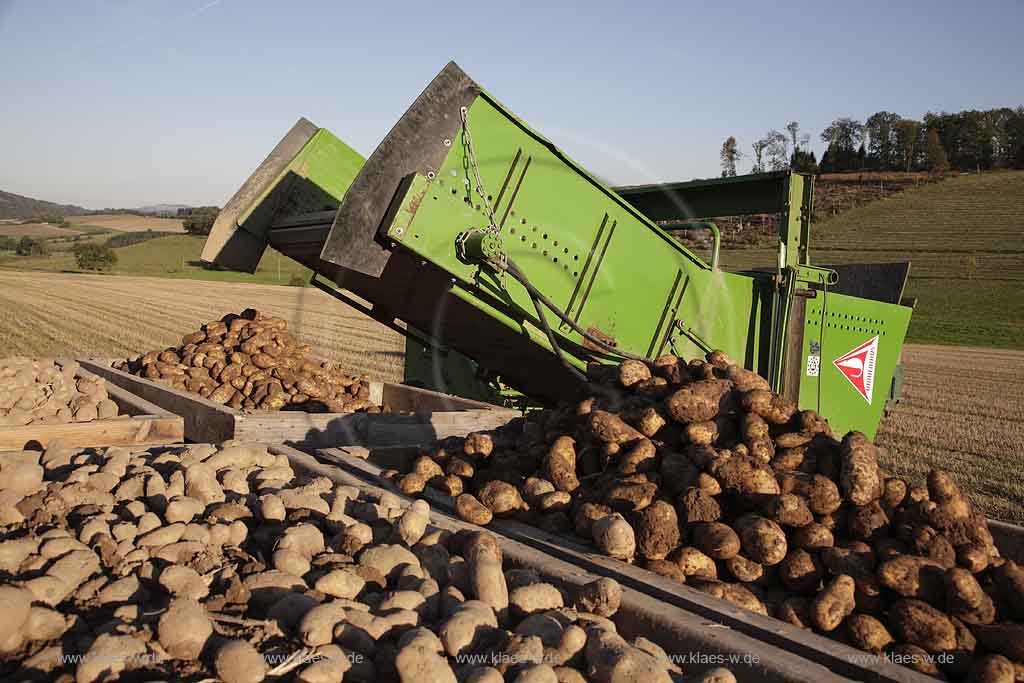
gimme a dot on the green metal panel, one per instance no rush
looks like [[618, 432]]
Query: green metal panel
[[314, 180], [836, 325], [610, 268]]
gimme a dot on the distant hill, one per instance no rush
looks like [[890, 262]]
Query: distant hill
[[18, 206]]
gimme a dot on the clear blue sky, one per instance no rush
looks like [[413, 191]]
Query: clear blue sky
[[129, 103]]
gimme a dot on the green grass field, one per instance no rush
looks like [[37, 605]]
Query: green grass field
[[175, 256], [964, 238]]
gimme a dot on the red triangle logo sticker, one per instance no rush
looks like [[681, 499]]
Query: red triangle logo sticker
[[858, 366]]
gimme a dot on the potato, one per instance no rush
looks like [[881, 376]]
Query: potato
[[733, 593], [743, 569], [633, 372], [1008, 579], [501, 497], [918, 623], [789, 510], [913, 577], [614, 536], [859, 477], [657, 531], [811, 537], [610, 428], [1005, 638], [237, 661], [693, 563], [773, 408], [833, 604], [763, 541], [184, 628], [966, 600], [486, 580], [800, 571], [698, 506], [601, 597], [716, 540], [687, 406], [991, 669], [560, 465]]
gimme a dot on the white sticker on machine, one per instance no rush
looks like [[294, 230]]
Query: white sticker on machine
[[813, 365]]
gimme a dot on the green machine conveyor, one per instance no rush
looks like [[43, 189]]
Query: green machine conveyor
[[479, 239]]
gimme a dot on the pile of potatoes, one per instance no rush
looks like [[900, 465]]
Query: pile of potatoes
[[700, 473], [186, 562], [36, 391], [251, 361]]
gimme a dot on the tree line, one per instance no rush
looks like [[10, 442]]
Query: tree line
[[969, 140]]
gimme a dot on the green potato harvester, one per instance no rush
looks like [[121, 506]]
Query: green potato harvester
[[510, 268]]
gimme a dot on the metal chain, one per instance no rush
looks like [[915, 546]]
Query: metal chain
[[471, 154]]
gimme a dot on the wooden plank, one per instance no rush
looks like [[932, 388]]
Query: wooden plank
[[205, 421], [423, 423], [695, 640], [838, 657]]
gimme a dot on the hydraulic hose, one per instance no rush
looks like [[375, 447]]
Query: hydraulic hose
[[512, 269]]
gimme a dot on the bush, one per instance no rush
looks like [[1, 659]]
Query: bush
[[297, 280], [95, 256], [200, 221], [8, 243], [28, 246]]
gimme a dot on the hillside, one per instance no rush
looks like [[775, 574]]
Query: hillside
[[964, 238], [18, 206]]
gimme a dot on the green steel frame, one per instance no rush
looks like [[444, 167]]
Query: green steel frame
[[424, 230]]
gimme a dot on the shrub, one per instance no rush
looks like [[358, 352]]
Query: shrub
[[95, 256], [28, 246], [200, 221], [297, 280]]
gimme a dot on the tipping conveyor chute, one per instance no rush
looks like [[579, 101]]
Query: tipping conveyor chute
[[470, 231]]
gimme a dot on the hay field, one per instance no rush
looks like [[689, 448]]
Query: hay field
[[963, 408], [127, 222], [58, 314], [43, 230]]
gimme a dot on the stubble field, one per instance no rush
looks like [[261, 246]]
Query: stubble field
[[59, 314], [963, 408], [127, 222]]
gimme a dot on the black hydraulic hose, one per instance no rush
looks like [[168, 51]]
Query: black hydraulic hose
[[512, 269], [554, 342]]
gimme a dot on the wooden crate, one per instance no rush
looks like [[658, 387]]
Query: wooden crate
[[140, 423], [420, 416]]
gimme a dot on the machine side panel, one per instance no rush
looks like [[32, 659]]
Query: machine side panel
[[850, 352], [611, 270]]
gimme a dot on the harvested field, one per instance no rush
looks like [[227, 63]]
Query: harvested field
[[963, 408], [58, 314], [127, 222], [35, 230]]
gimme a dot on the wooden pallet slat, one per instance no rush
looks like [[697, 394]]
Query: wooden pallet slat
[[421, 416]]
